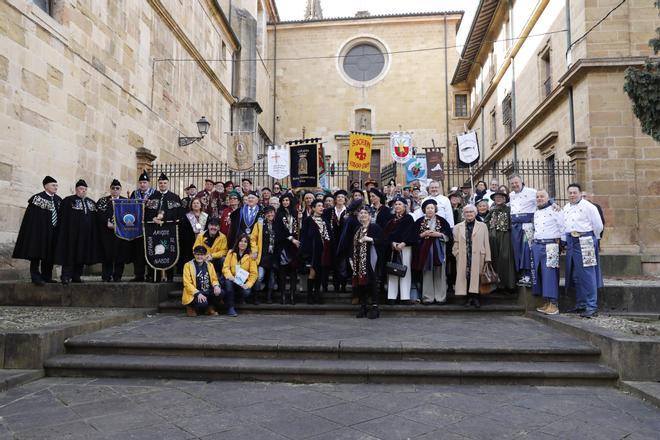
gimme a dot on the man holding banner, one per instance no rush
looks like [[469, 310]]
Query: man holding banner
[[140, 195], [116, 252]]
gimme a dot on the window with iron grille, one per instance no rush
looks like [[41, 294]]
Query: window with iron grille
[[460, 106], [550, 172], [507, 120]]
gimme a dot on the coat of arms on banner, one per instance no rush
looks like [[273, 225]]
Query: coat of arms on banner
[[434, 162], [359, 153], [416, 169], [278, 161], [304, 167], [128, 218], [240, 151], [468, 149], [401, 146]]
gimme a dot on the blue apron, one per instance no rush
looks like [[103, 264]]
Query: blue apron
[[521, 251], [546, 280], [586, 280]]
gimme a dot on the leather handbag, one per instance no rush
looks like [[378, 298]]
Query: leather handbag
[[395, 268], [488, 279]]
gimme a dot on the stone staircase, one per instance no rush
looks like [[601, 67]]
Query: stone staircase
[[475, 348]]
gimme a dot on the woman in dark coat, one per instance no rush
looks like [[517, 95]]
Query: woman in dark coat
[[430, 253], [399, 233], [365, 262], [316, 250], [287, 233], [501, 247]]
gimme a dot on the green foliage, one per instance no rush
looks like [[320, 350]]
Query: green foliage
[[643, 88]]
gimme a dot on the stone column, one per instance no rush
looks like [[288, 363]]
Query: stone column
[[578, 155], [144, 160]]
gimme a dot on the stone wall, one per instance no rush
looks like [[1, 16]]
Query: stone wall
[[620, 163], [80, 94]]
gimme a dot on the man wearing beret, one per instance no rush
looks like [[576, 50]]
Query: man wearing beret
[[116, 252]]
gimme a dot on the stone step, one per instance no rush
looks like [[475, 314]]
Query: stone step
[[320, 370], [331, 350], [175, 306]]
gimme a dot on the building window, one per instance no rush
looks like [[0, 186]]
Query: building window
[[493, 127], [364, 62], [493, 66], [550, 171], [44, 5], [546, 72], [460, 106], [223, 53], [507, 119]]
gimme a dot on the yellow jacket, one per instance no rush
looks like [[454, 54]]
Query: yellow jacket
[[219, 247], [256, 239], [190, 280], [247, 263]]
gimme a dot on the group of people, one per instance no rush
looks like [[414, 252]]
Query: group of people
[[405, 245]]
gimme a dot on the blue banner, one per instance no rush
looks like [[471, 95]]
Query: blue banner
[[128, 218], [415, 169]]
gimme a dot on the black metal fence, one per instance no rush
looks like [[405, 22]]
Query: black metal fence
[[551, 175]]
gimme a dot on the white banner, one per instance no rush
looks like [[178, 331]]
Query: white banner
[[278, 161], [468, 148], [401, 146]]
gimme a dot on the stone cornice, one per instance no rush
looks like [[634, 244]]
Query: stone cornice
[[188, 45]]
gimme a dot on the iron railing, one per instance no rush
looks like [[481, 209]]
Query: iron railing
[[552, 175]]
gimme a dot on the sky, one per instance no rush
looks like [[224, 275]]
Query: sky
[[295, 9]]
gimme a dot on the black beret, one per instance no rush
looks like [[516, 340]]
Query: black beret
[[48, 180]]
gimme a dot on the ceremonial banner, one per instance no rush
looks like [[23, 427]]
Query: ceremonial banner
[[161, 244], [240, 151], [359, 152], [304, 165], [278, 162], [401, 146], [415, 169], [468, 149], [434, 162], [323, 175], [128, 218]]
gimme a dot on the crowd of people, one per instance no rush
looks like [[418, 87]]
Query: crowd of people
[[403, 245]]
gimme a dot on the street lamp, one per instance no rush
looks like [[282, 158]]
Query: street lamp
[[203, 128]]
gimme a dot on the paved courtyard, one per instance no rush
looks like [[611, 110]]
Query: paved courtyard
[[159, 409]]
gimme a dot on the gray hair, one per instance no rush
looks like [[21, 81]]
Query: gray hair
[[513, 176], [470, 207], [544, 192]]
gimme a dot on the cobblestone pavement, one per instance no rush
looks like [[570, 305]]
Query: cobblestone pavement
[[30, 318], [159, 409], [442, 331]]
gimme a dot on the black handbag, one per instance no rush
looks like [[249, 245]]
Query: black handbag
[[395, 268]]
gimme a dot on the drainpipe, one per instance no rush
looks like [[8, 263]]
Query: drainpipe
[[446, 91], [571, 114], [513, 94], [274, 82]]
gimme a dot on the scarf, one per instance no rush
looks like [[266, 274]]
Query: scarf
[[203, 280], [271, 237], [323, 229], [360, 276], [469, 227]]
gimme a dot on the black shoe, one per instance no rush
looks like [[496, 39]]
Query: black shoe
[[106, 280], [475, 303], [391, 302], [116, 280], [293, 301], [283, 299], [589, 314], [576, 310], [310, 298], [362, 312], [76, 281], [137, 280], [50, 281], [255, 299], [269, 297], [65, 281], [468, 302], [374, 312], [38, 282]]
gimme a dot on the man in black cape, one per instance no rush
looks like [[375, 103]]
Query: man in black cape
[[38, 233], [143, 192], [164, 206], [77, 242], [116, 251]]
